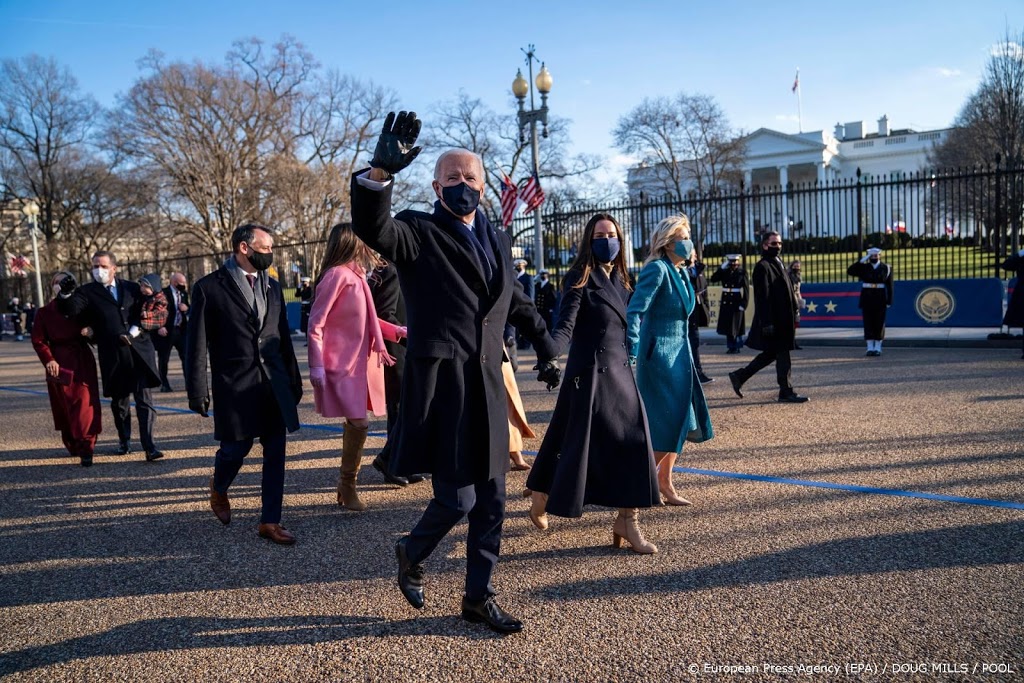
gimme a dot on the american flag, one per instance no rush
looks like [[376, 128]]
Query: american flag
[[532, 194], [796, 81], [509, 200], [19, 264]]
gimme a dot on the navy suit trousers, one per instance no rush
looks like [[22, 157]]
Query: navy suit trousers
[[229, 460], [484, 504]]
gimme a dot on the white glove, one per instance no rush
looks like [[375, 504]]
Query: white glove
[[317, 377], [741, 308], [865, 259], [1021, 253], [725, 264]]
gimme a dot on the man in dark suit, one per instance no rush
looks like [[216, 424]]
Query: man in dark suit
[[454, 421], [172, 335], [238, 320], [112, 308], [526, 280], [700, 317], [546, 298], [773, 329]]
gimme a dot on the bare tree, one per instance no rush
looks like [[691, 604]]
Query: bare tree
[[687, 147], [45, 129]]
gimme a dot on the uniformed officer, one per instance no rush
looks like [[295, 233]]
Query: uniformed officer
[[735, 293], [875, 296]]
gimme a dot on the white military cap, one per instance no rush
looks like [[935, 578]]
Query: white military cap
[[874, 251], [732, 257]]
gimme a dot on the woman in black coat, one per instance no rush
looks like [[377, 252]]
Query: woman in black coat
[[1015, 309], [597, 449]]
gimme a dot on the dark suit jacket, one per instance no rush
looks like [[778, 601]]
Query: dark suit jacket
[[172, 310], [774, 304], [121, 366], [454, 416], [252, 370]]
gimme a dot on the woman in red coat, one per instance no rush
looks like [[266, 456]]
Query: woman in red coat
[[71, 377]]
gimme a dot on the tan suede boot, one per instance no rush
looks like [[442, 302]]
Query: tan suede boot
[[351, 457], [626, 527]]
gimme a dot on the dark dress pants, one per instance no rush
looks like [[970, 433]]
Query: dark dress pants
[[484, 504], [120, 406], [229, 460], [783, 367], [175, 339]]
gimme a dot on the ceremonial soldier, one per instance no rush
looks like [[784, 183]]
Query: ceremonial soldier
[[875, 296], [735, 294]]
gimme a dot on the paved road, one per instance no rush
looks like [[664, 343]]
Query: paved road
[[881, 524]]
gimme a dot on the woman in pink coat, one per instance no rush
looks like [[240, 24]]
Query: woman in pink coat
[[346, 350]]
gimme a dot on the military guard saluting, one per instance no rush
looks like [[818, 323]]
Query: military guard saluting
[[875, 296], [735, 294]]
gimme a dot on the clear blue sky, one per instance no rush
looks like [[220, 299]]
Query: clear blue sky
[[914, 60]]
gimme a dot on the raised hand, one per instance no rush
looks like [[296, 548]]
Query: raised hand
[[67, 285], [395, 149]]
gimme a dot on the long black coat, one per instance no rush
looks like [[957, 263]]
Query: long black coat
[[731, 320], [1015, 309], [597, 449], [775, 304], [120, 366], [387, 299], [702, 310], [253, 371], [454, 418]]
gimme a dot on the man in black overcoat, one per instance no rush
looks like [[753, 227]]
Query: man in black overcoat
[[1015, 308], [172, 335], [112, 307], [239, 322], [460, 289], [526, 280], [773, 329], [875, 296], [546, 297], [700, 316], [733, 304]]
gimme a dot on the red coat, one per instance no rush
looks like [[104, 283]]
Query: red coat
[[76, 407]]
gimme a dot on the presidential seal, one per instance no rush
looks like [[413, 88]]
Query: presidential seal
[[935, 304]]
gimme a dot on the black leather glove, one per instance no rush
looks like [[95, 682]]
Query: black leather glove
[[768, 330], [67, 285], [395, 149], [199, 405], [124, 340], [549, 373]]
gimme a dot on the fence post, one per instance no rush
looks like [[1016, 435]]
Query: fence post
[[743, 223], [860, 214], [997, 213]]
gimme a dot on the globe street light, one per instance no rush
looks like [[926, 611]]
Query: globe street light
[[31, 211], [520, 88]]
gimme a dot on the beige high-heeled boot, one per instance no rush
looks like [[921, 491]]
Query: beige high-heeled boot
[[626, 527], [351, 456], [538, 504], [665, 485]]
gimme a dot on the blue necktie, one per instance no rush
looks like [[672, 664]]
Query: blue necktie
[[485, 262]]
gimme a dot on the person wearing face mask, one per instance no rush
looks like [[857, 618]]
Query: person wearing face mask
[[112, 308], [731, 321], [657, 338], [546, 298], [701, 313], [597, 449], [773, 329], [1014, 316], [875, 296], [238, 321], [72, 381], [172, 335], [453, 421]]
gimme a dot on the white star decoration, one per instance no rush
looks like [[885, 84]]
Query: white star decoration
[[830, 307], [812, 308]]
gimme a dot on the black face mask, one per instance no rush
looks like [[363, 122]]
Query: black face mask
[[772, 252], [605, 249], [181, 288], [261, 261], [460, 199]]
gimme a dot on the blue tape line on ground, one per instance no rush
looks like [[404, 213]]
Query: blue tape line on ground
[[692, 470]]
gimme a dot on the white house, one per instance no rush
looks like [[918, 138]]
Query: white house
[[818, 161]]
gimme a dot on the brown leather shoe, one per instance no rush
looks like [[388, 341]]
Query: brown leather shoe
[[276, 533], [220, 504]]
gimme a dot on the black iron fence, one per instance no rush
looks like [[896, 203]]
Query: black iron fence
[[946, 225]]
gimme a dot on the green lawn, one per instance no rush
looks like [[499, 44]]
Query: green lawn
[[933, 263]]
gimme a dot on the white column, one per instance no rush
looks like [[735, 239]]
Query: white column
[[783, 182]]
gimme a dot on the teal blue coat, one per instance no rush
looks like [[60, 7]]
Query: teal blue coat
[[656, 334]]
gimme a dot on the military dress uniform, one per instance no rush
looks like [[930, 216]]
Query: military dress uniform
[[875, 297], [735, 296]]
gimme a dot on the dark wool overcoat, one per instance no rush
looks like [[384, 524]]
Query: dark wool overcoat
[[1015, 309], [454, 417], [775, 304], [731, 320], [120, 366], [254, 376], [597, 449]]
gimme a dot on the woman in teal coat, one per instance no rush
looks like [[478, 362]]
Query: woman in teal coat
[[658, 343]]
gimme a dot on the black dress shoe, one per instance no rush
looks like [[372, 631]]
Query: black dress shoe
[[488, 612], [736, 384], [410, 576], [417, 478], [792, 398], [86, 460], [166, 389], [382, 467], [704, 379], [123, 448], [153, 455]]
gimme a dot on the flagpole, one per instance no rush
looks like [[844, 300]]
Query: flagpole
[[799, 104]]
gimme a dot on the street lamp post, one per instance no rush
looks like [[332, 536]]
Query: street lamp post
[[520, 88], [31, 211]]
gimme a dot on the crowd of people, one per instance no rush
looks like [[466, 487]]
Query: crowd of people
[[381, 342]]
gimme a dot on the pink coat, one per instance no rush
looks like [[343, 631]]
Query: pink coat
[[346, 339]]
